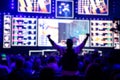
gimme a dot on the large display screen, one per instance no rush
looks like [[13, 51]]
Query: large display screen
[[34, 6], [7, 32], [61, 30], [101, 36], [93, 7], [33, 31], [116, 31], [24, 31], [64, 9], [45, 27]]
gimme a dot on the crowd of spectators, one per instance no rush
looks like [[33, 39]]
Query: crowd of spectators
[[90, 67], [66, 66]]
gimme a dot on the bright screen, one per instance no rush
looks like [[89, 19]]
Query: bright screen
[[24, 31], [116, 27], [61, 30], [64, 9], [101, 36], [21, 31], [34, 6], [7, 32], [93, 7]]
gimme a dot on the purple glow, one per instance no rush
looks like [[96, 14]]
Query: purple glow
[[53, 10], [12, 7], [12, 4]]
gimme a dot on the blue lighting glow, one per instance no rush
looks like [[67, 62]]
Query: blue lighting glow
[[12, 4]]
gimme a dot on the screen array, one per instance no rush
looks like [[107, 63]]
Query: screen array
[[34, 6], [93, 7], [20, 31], [24, 31], [116, 30], [65, 8], [101, 34]]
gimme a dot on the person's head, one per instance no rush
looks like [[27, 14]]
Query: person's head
[[69, 43], [51, 59], [94, 72], [19, 62], [47, 74]]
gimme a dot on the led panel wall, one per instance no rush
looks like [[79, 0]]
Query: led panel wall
[[34, 6], [101, 36], [45, 27], [33, 31], [1, 28], [7, 31], [93, 7], [61, 30], [24, 31], [116, 32]]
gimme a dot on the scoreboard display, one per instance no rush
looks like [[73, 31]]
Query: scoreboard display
[[24, 31], [116, 34], [101, 36], [62, 19], [7, 32]]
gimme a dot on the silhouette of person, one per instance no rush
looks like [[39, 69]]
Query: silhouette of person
[[69, 60]]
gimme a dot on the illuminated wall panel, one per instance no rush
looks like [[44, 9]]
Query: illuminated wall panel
[[116, 34], [7, 32], [45, 27], [93, 7], [101, 36], [64, 9], [34, 6], [61, 30], [24, 31]]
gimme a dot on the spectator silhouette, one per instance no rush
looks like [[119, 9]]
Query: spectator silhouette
[[47, 74], [52, 63], [69, 60], [18, 72], [94, 72]]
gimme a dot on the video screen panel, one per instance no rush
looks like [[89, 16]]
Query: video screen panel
[[24, 31], [101, 36], [61, 30], [34, 6], [7, 31], [45, 27], [116, 31], [93, 7], [64, 9]]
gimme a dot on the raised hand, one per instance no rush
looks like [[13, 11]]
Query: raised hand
[[48, 35], [87, 34]]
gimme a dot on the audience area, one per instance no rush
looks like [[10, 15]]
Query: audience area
[[90, 67]]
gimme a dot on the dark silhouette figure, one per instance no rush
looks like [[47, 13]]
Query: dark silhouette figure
[[94, 72], [69, 61], [69, 44], [47, 74]]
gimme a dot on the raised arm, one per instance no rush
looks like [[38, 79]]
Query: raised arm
[[58, 47], [79, 48], [51, 41]]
